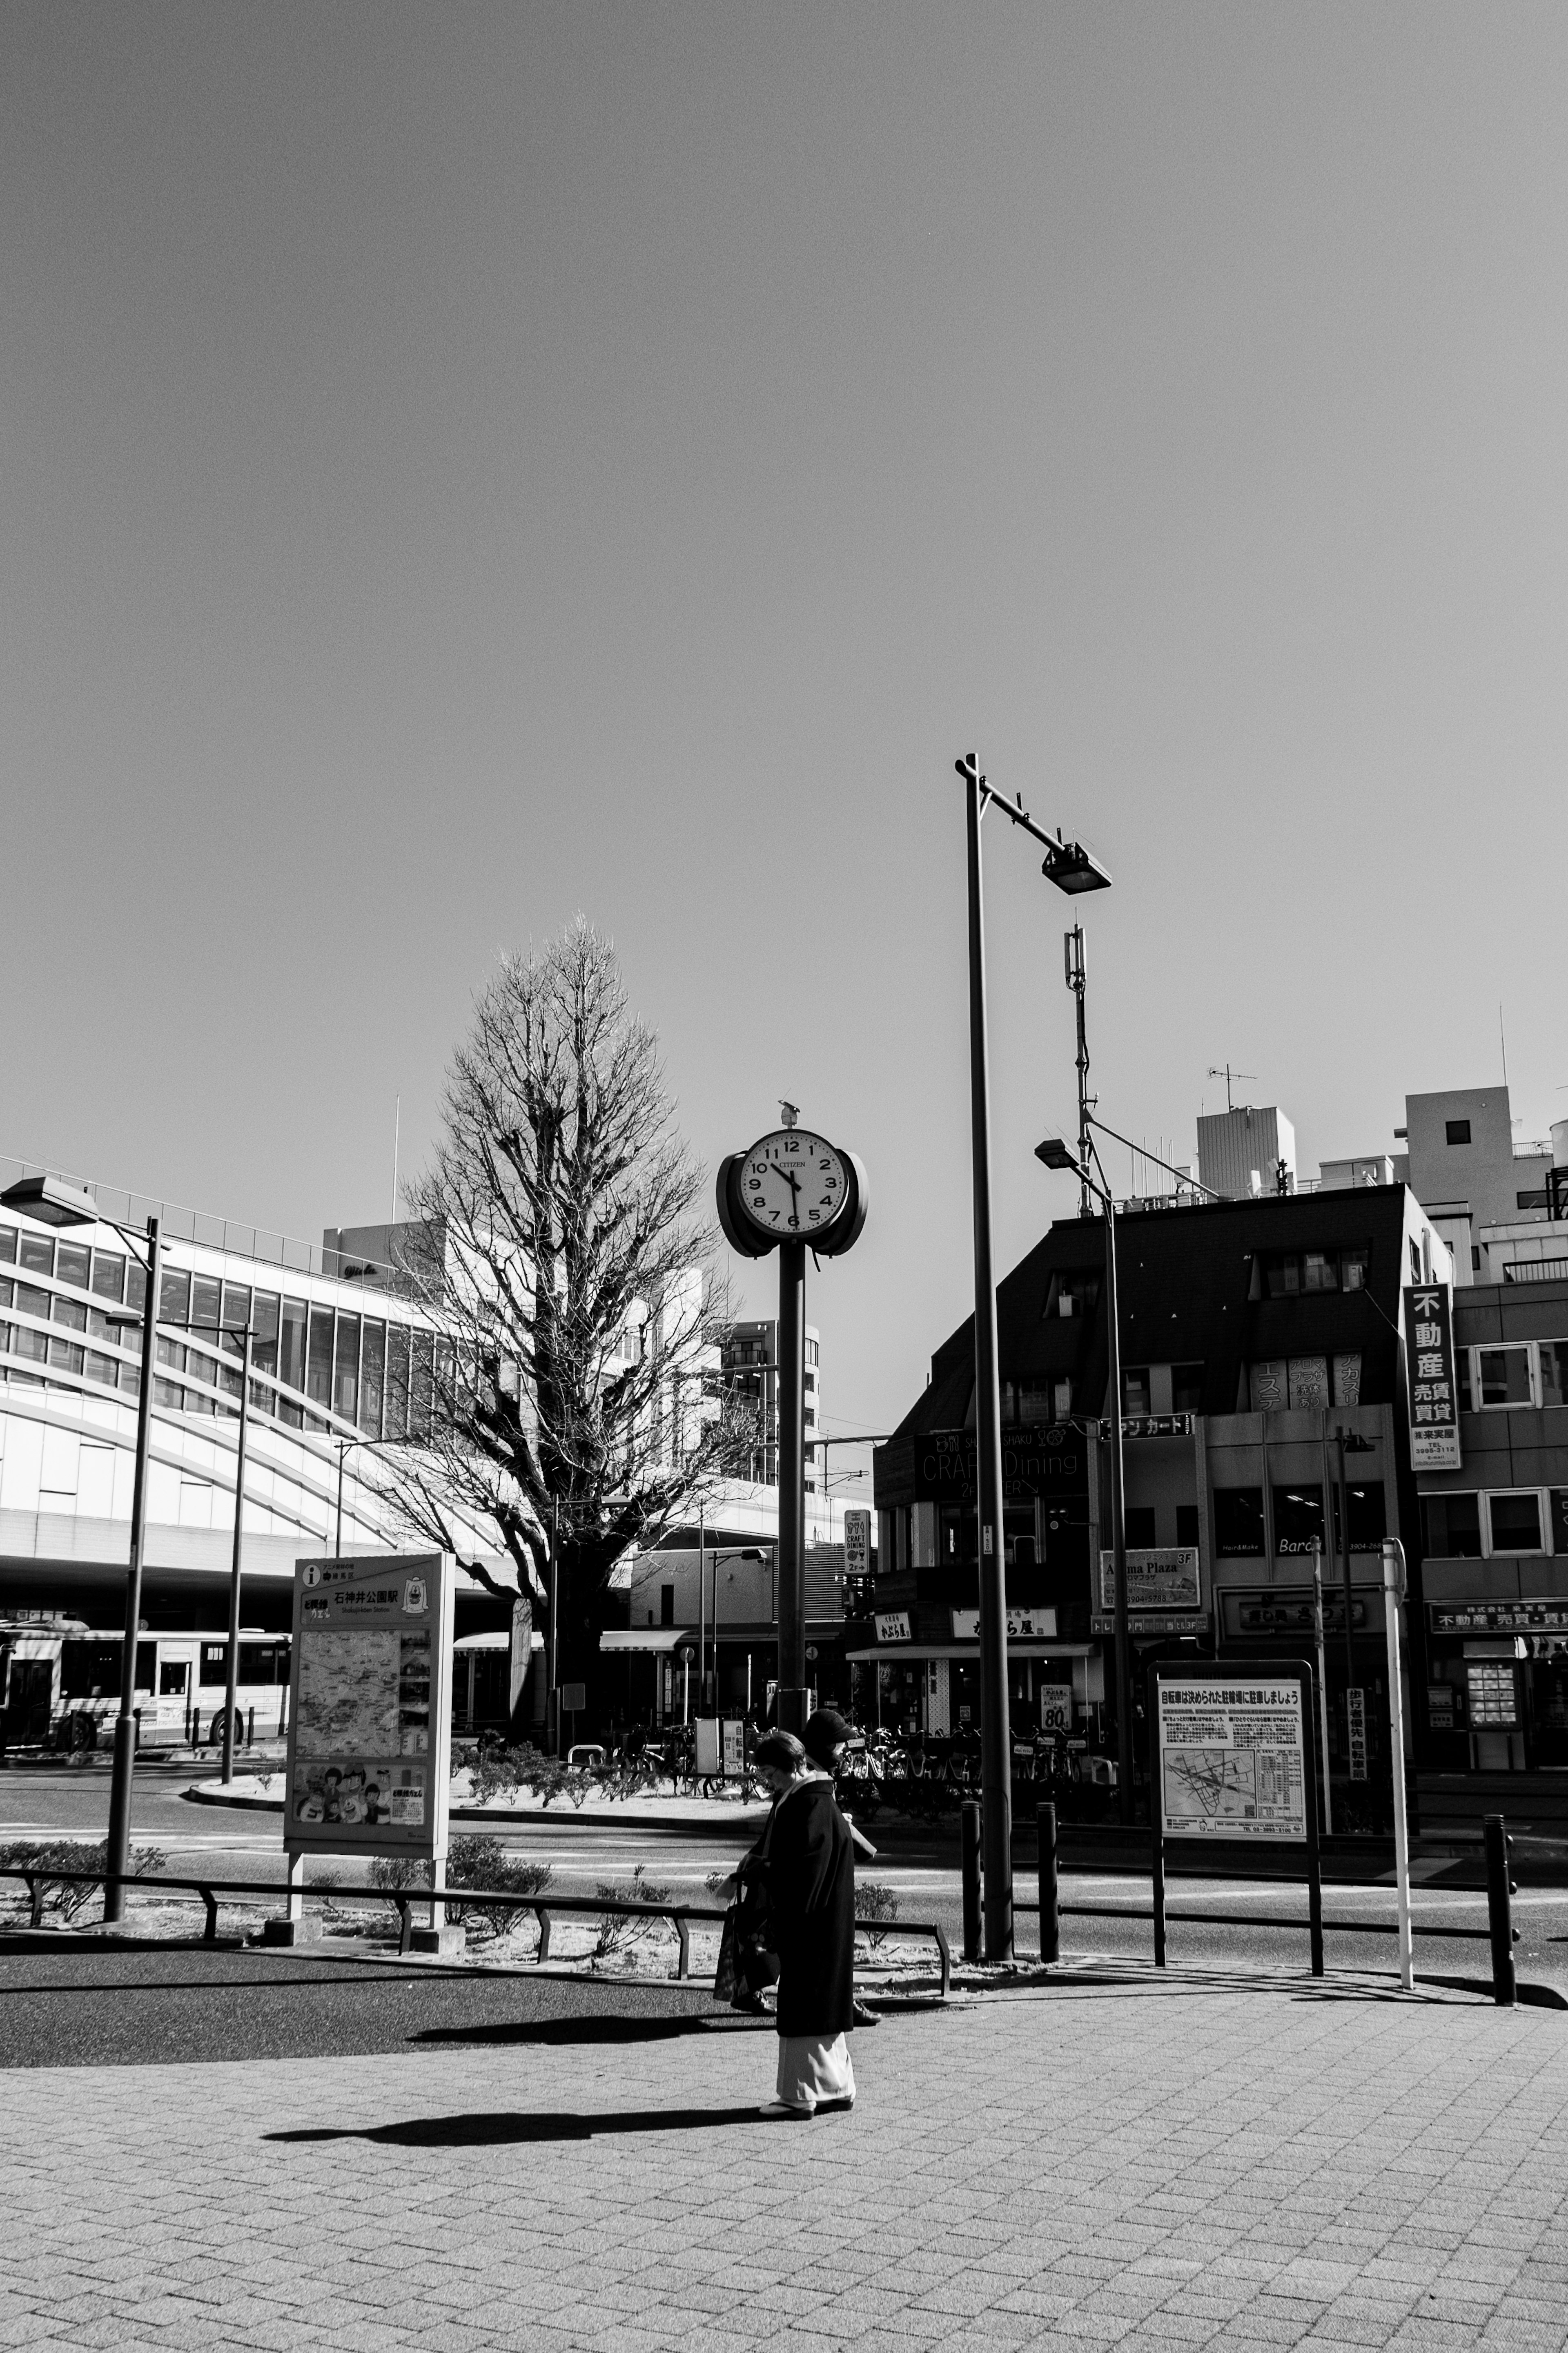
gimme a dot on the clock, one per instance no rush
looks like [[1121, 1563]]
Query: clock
[[792, 1186]]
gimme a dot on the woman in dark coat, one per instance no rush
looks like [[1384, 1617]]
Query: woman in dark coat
[[811, 1910]]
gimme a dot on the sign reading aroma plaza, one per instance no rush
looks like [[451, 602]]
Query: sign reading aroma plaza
[[1429, 1372], [369, 1712]]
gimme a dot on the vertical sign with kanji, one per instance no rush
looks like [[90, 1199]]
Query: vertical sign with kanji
[[856, 1560], [1434, 1392]]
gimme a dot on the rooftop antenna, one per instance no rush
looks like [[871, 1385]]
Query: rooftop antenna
[[1227, 1074]]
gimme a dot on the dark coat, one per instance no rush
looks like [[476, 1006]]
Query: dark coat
[[811, 1892]]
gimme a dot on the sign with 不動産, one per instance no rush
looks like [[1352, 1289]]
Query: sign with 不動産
[[370, 1707], [1430, 1377], [1232, 1758]]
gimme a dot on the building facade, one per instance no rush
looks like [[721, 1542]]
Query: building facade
[[1254, 1335]]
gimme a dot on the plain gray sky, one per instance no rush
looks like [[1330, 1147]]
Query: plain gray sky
[[461, 466]]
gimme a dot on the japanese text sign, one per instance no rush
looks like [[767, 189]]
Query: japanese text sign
[[1434, 1390]]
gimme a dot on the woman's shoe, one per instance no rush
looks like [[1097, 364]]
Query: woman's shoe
[[825, 2107], [784, 2112]]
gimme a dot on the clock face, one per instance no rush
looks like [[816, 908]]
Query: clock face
[[792, 1185]]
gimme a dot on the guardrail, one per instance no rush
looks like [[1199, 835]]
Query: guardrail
[[1499, 1931], [682, 1917]]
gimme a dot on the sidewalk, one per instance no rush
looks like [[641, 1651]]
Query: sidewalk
[[1094, 2166]]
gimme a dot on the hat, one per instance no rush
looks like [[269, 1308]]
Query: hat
[[826, 1730]]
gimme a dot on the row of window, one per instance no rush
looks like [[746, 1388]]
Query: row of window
[[1472, 1526], [1240, 1529], [88, 1669], [1292, 1274], [377, 1375], [1513, 1373]]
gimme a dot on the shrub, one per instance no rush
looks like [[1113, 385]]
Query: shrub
[[875, 1901], [395, 1874], [619, 1929], [502, 1772], [63, 1895], [482, 1861]]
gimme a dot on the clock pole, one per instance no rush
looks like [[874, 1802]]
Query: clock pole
[[792, 1697]]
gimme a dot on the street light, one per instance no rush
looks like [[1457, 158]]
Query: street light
[[1073, 869], [50, 1202], [1055, 1154]]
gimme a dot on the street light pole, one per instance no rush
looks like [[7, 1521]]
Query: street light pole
[[995, 1743], [118, 1849], [1119, 1528], [231, 1694]]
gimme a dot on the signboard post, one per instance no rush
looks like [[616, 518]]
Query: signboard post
[[1429, 1377], [370, 1721], [1234, 1762]]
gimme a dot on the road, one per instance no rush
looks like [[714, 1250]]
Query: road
[[918, 1864]]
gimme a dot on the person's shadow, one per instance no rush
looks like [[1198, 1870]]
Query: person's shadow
[[481, 2130]]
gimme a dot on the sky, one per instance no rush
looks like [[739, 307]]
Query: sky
[[462, 467]]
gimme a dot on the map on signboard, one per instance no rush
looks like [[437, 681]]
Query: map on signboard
[[348, 1701], [1232, 1759]]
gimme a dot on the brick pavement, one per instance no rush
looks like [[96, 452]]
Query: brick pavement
[[1091, 2165]]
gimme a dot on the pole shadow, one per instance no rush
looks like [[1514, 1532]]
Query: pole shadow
[[481, 2130]]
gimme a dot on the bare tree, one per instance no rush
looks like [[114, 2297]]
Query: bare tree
[[559, 1245]]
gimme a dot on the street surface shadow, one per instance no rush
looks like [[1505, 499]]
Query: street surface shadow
[[583, 2029], [487, 2130]]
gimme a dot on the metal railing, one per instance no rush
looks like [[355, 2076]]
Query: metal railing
[[682, 1918]]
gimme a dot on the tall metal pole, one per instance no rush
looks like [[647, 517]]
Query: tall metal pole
[[1392, 1595], [1343, 1517], [1323, 1688], [119, 1856], [1119, 1528], [344, 1445], [554, 1699], [231, 1694], [995, 1742], [791, 1395], [1076, 980], [701, 1612]]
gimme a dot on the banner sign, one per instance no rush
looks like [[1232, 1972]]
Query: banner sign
[[1056, 1707], [857, 1543], [1151, 1425], [1159, 1577], [1434, 1390], [1355, 1702], [893, 1626], [1032, 1625], [370, 1705], [1232, 1758]]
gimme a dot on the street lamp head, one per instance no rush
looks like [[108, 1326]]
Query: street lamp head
[[1055, 1154], [51, 1201], [125, 1318], [1073, 868]]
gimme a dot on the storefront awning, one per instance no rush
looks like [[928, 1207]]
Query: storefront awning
[[970, 1650], [497, 1638]]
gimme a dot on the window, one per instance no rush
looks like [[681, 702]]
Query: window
[[1457, 1131], [35, 1254], [7, 1245], [71, 1264], [109, 1275], [1501, 1376], [1135, 1389], [1187, 1526], [1451, 1527], [667, 1604], [1186, 1389], [1320, 1271], [318, 1358], [1558, 1501], [174, 1296], [207, 1302], [345, 1369], [1309, 1382], [371, 1378], [1298, 1519], [264, 1347], [1553, 1372], [1072, 1292], [1368, 1523], [397, 1337], [1515, 1522], [419, 1388], [1293, 1274], [812, 1352], [1353, 1265], [1238, 1521]]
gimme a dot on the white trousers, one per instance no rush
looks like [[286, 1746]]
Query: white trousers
[[813, 2068]]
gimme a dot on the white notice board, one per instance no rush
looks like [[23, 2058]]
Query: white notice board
[[370, 1705], [1233, 1757]]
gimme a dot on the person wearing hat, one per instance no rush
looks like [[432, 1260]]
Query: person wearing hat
[[811, 1910]]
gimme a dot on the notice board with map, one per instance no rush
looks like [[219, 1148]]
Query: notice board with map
[[1232, 1756], [369, 1710]]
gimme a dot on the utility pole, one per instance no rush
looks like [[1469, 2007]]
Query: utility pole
[[790, 1405], [996, 1739], [1076, 981], [231, 1696]]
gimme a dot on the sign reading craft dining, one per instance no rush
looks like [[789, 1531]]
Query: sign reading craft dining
[[1430, 1379], [370, 1707]]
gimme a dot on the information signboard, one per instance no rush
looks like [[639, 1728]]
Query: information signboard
[[1159, 1577], [1056, 1707], [720, 1747], [1232, 1758], [857, 1543], [1235, 1761], [370, 1707], [1355, 1699], [1429, 1369]]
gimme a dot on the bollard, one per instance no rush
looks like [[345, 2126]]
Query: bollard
[[1499, 1910], [969, 1840], [250, 1729], [1051, 1920]]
